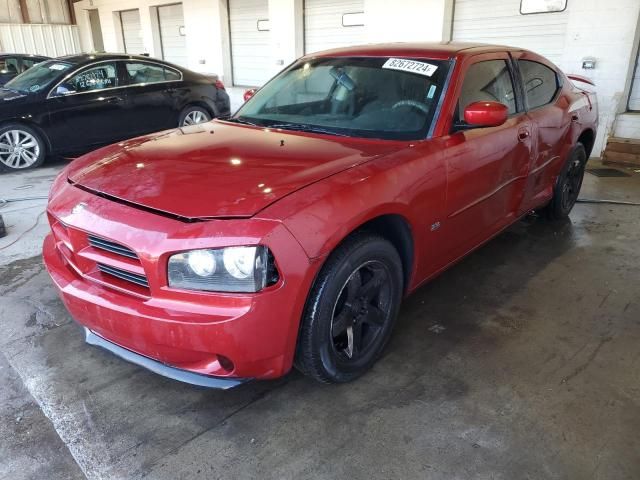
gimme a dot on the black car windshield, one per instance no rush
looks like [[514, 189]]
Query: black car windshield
[[38, 77], [374, 97]]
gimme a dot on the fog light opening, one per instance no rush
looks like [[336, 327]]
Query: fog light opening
[[226, 363]]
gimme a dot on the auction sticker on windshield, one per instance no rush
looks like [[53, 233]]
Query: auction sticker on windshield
[[58, 66], [411, 66]]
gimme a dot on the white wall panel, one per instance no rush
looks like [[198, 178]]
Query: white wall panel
[[173, 34], [250, 47], [50, 40], [132, 31], [500, 22], [323, 24]]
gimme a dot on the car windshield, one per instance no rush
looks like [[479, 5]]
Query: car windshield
[[388, 98], [38, 77]]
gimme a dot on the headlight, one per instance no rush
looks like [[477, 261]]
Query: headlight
[[231, 269]]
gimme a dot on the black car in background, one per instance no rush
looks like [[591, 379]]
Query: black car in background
[[70, 105], [13, 64]]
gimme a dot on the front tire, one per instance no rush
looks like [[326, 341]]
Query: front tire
[[192, 115], [351, 310], [21, 148], [567, 188]]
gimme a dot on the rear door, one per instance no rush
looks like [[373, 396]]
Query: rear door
[[152, 96], [486, 167], [88, 109], [551, 122]]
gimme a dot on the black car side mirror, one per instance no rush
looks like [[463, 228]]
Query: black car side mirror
[[62, 90]]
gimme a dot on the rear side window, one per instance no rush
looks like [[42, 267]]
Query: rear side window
[[9, 65], [539, 81], [142, 72], [488, 81]]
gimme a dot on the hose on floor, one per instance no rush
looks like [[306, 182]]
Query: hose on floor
[[607, 202]]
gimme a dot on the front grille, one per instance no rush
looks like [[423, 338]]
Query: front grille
[[112, 247], [124, 275]]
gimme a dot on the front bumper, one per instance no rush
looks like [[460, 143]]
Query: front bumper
[[222, 335], [160, 368]]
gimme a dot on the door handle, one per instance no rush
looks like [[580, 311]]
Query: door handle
[[523, 134], [114, 99]]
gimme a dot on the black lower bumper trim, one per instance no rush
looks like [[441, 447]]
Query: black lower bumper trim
[[160, 368]]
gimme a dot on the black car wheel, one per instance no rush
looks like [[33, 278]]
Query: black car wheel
[[351, 310], [21, 147], [193, 115], [568, 184]]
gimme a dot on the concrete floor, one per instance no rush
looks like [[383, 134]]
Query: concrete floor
[[520, 362]]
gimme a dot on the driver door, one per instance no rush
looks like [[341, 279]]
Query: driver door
[[86, 110], [486, 167]]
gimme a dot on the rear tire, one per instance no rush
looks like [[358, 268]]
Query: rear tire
[[192, 115], [351, 310], [21, 148], [567, 188]]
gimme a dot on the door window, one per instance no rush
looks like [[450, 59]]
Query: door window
[[100, 77], [9, 65], [142, 72], [540, 83], [488, 81]]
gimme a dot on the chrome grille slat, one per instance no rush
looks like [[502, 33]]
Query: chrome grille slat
[[112, 247], [124, 275]]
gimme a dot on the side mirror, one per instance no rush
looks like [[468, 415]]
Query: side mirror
[[62, 90], [485, 114], [249, 93]]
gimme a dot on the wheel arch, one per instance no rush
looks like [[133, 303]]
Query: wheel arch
[[34, 126], [587, 138], [392, 226], [201, 102]]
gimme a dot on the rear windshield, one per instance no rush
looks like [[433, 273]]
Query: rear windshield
[[381, 97], [38, 77]]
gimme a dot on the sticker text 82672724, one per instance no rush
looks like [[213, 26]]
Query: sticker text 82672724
[[411, 66]]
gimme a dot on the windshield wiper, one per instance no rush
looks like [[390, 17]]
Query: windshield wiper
[[14, 90], [244, 122], [298, 127]]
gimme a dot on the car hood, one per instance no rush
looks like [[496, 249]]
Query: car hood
[[11, 96], [218, 169]]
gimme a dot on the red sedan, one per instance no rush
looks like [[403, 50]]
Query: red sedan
[[290, 232]]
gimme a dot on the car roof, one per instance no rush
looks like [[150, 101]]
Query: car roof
[[84, 58], [435, 50], [23, 55]]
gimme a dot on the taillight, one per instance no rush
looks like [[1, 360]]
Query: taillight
[[219, 85]]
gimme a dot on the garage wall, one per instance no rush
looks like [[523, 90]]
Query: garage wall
[[50, 40], [204, 22], [500, 21], [324, 27], [131, 31], [589, 28], [250, 41]]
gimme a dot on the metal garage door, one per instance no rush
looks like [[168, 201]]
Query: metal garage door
[[131, 31], [333, 24], [172, 34], [634, 97], [500, 21], [250, 37]]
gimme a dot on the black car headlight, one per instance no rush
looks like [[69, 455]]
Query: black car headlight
[[230, 269]]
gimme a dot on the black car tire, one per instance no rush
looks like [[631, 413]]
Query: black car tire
[[567, 188], [33, 147], [192, 115], [359, 288]]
